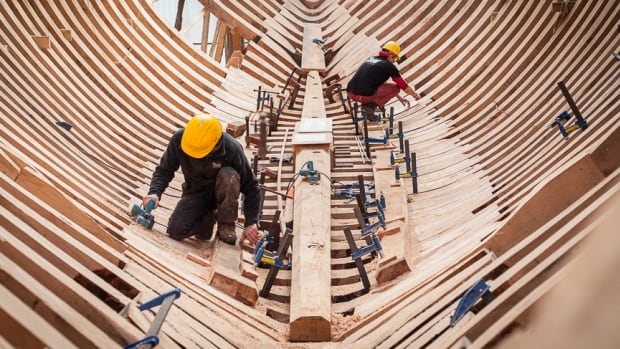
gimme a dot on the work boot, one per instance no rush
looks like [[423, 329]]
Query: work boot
[[369, 111], [226, 233]]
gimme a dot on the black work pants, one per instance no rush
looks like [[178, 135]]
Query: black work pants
[[196, 213]]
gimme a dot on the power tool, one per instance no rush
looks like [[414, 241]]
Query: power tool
[[309, 172], [144, 216]]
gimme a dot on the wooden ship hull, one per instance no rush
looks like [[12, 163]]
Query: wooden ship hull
[[496, 231]]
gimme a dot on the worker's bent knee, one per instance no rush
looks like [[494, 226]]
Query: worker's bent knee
[[178, 231], [228, 181], [228, 173]]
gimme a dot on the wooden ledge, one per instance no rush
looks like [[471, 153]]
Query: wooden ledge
[[395, 240], [226, 274], [43, 41]]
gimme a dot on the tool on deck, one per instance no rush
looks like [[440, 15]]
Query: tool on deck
[[565, 131], [371, 140], [269, 173], [354, 117], [263, 257], [268, 239], [580, 123], [480, 290], [347, 190], [388, 117], [286, 158], [382, 140], [401, 160], [262, 96], [409, 174], [373, 243], [370, 228], [349, 194], [358, 260], [144, 216], [398, 135], [165, 300], [321, 44], [411, 166], [375, 246], [308, 171], [273, 271]]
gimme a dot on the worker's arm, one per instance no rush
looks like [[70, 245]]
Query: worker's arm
[[164, 172], [403, 85], [410, 91]]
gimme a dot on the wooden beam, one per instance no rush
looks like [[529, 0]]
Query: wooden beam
[[314, 104], [217, 46], [312, 56], [23, 327], [310, 305], [204, 39]]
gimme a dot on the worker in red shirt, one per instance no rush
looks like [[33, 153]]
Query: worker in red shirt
[[369, 84]]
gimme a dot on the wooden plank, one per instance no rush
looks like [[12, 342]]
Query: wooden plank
[[501, 72], [54, 280], [48, 202], [312, 57], [8, 164], [140, 320], [24, 328], [42, 41], [547, 202], [56, 311], [310, 300], [314, 125], [69, 259], [515, 276], [200, 301], [310, 305]]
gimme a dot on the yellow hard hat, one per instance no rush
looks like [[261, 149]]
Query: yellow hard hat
[[201, 134], [393, 47]]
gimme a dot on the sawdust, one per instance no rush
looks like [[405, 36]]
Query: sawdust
[[342, 323]]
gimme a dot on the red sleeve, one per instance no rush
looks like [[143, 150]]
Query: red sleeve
[[400, 82]]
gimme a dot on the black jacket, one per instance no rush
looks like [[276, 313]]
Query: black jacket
[[200, 174]]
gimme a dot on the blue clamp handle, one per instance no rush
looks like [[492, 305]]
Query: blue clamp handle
[[152, 340], [479, 290], [160, 299]]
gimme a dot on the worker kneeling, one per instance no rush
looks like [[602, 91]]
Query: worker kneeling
[[215, 170]]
